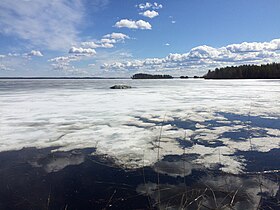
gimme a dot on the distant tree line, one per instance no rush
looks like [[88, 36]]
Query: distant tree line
[[150, 76], [267, 71], [187, 77], [184, 77]]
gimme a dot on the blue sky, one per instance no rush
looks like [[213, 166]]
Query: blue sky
[[123, 37]]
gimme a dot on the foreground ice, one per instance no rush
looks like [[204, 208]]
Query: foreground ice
[[210, 119]]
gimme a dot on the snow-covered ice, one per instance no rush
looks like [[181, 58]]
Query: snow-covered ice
[[216, 118]]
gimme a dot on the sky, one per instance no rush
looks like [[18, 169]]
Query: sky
[[118, 38]]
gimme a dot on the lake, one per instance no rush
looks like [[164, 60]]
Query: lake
[[168, 144]]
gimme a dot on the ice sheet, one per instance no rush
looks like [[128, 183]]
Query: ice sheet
[[215, 118]]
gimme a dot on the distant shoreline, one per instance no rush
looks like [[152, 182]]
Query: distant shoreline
[[126, 78], [89, 78], [64, 78]]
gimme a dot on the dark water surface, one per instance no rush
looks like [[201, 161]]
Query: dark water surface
[[38, 179]]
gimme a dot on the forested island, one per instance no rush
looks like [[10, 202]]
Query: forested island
[[150, 76], [184, 77], [187, 77], [267, 71]]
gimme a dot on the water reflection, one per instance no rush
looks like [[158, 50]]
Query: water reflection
[[79, 179], [214, 192]]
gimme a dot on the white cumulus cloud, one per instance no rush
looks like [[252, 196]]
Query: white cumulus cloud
[[204, 57], [254, 46], [107, 41], [148, 5], [116, 36], [107, 45], [64, 63], [35, 53], [140, 24], [90, 44], [149, 14], [100, 44], [80, 50], [65, 58]]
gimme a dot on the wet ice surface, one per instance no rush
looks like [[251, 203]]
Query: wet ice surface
[[213, 119], [230, 126]]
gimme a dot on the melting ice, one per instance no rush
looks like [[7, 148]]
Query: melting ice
[[212, 119]]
